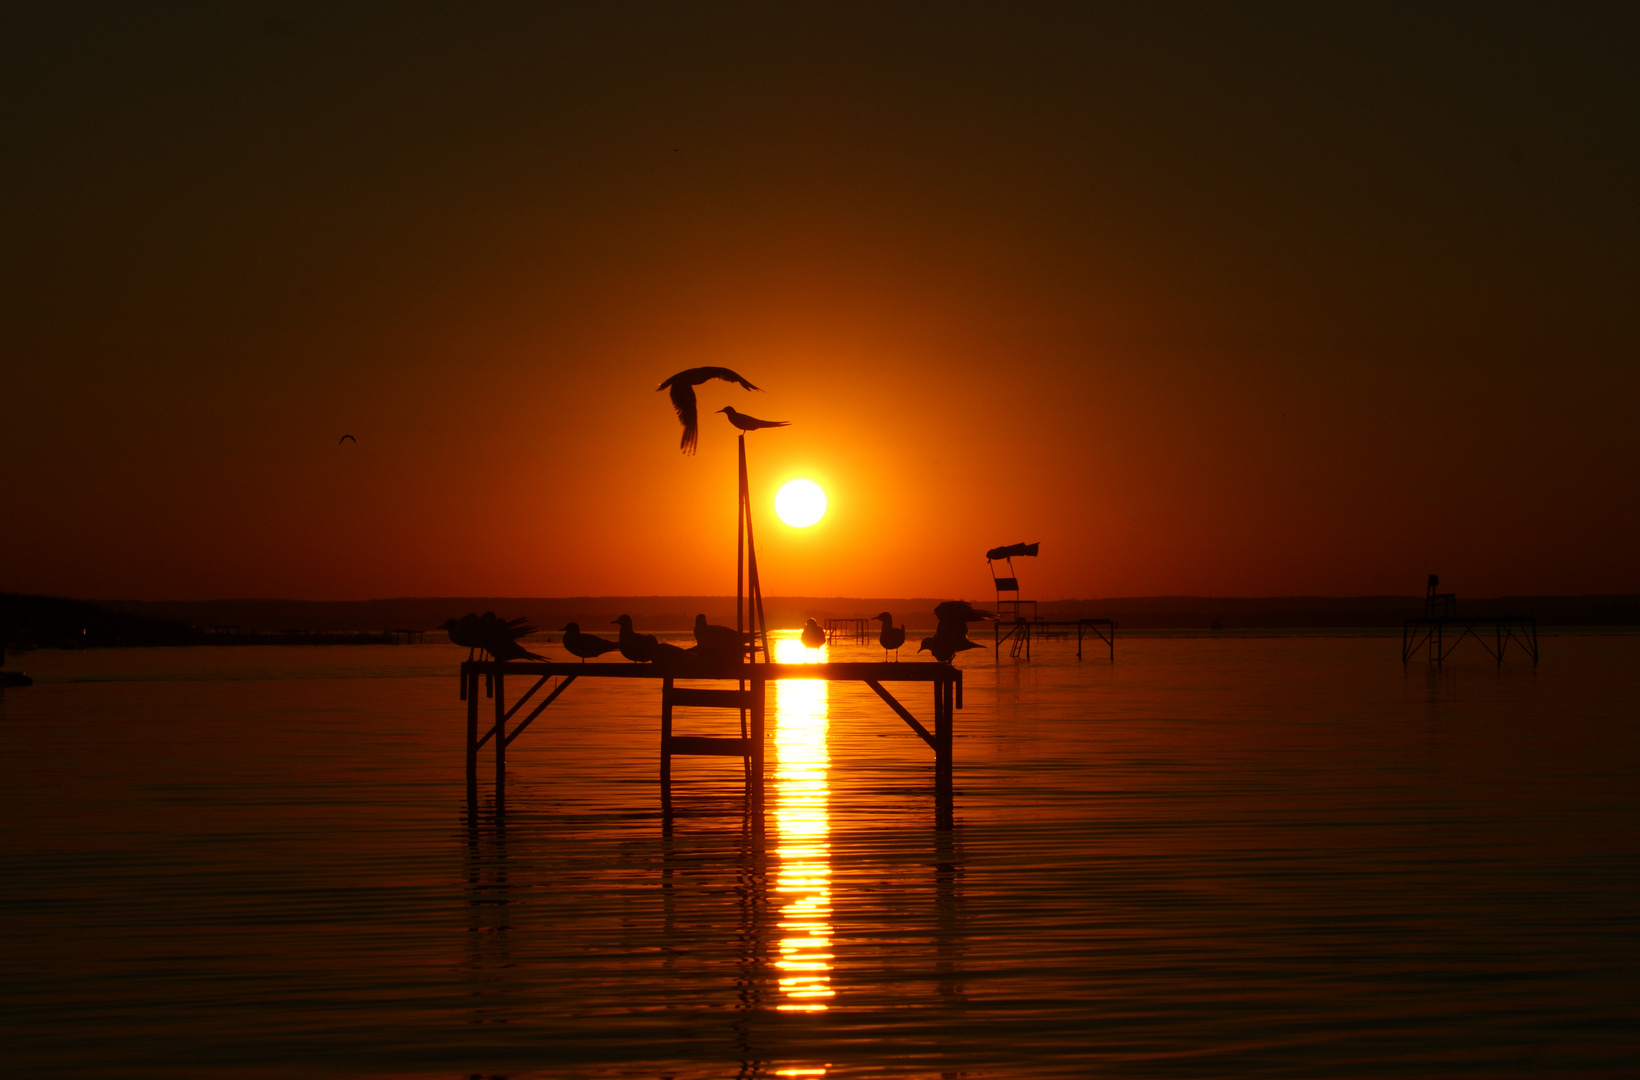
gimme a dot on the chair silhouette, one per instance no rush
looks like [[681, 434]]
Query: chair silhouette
[[1439, 604]]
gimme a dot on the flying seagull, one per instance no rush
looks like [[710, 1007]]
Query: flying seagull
[[345, 438], [750, 423], [683, 398]]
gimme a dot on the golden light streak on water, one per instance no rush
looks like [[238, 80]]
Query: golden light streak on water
[[803, 836]]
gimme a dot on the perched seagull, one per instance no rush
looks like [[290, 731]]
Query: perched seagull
[[463, 632], [683, 398], [750, 423], [500, 637], [719, 641], [585, 645], [638, 648], [347, 438], [813, 636], [892, 636]]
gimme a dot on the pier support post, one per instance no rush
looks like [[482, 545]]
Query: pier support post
[[500, 743], [666, 733], [759, 719], [469, 679], [944, 702]]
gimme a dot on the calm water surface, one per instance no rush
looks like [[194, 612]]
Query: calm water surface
[[1218, 856]]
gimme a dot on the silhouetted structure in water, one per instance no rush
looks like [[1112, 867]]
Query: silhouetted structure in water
[[751, 423], [1021, 628], [681, 388], [892, 636], [586, 646], [813, 636], [1438, 604], [1441, 614], [856, 630]]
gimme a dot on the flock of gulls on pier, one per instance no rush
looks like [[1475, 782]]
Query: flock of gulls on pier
[[489, 634]]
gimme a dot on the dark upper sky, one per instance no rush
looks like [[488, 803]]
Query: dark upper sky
[[1291, 299]]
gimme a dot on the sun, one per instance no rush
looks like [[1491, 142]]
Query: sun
[[800, 503]]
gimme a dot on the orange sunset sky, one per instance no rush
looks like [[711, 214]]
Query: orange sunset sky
[[1285, 300]]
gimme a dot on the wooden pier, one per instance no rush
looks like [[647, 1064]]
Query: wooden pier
[[1494, 635], [1022, 630], [857, 631], [748, 697]]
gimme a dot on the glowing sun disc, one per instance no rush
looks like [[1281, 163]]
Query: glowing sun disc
[[800, 503]]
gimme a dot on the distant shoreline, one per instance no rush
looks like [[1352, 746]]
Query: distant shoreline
[[38, 621]]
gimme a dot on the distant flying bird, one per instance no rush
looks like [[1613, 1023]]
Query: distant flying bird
[[585, 645], [719, 641], [347, 438], [813, 636], [638, 648], [892, 636], [683, 398], [750, 423]]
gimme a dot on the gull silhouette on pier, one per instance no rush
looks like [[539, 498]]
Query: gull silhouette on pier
[[682, 391], [489, 633], [814, 636], [586, 646], [951, 637], [719, 641], [750, 423], [892, 636], [638, 648]]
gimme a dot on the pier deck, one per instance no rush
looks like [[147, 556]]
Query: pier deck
[[749, 698], [1431, 632]]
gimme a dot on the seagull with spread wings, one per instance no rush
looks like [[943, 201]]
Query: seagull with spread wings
[[682, 390]]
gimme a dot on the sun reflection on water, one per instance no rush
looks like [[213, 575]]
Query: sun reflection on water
[[803, 823]]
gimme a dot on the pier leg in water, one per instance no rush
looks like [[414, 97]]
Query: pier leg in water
[[944, 700], [666, 738], [500, 746], [470, 680]]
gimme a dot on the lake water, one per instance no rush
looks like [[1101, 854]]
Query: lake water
[[1216, 856]]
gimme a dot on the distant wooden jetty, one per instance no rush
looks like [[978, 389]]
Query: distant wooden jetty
[[1434, 630], [748, 697], [857, 631]]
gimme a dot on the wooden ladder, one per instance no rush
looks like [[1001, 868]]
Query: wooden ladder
[[752, 706]]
